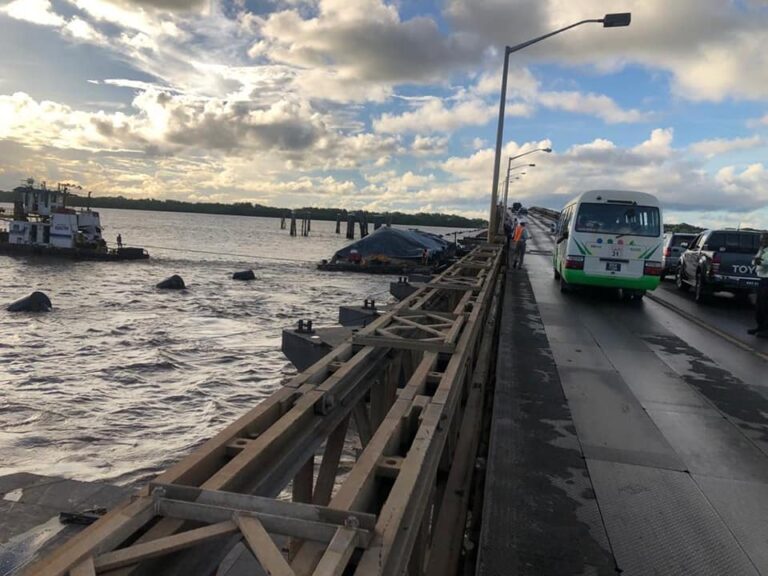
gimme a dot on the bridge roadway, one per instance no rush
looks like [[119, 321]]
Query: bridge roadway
[[625, 437]]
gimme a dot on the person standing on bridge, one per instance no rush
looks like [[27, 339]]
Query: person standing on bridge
[[761, 306], [520, 237]]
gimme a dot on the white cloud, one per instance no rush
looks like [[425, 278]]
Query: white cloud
[[719, 146], [81, 30], [429, 145], [434, 116], [592, 104], [35, 11]]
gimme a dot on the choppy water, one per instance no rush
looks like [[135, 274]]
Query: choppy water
[[120, 380]]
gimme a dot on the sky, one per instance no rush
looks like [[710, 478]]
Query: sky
[[369, 104]]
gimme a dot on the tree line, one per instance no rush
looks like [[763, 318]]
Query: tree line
[[252, 209]]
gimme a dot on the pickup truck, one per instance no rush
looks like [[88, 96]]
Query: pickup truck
[[719, 261]]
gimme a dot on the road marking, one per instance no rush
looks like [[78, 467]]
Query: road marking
[[690, 317]]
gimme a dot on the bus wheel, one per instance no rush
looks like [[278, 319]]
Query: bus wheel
[[557, 274], [565, 288]]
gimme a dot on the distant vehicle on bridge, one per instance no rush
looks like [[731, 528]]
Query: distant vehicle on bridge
[[719, 261], [675, 244], [610, 238]]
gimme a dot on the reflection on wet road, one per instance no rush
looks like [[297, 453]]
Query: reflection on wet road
[[672, 421]]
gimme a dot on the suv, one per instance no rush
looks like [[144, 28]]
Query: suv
[[719, 260], [675, 244]]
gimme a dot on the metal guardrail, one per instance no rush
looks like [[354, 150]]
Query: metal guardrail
[[412, 383]]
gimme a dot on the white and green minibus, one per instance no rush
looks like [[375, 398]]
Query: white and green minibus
[[610, 238]]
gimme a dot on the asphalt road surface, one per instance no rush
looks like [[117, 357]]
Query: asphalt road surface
[[666, 413]]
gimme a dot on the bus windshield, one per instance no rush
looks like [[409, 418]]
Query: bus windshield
[[618, 219]]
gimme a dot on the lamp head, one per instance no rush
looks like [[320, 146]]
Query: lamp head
[[617, 20], [531, 165], [547, 150]]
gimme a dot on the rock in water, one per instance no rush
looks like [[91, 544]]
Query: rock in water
[[35, 302], [175, 282], [244, 275]]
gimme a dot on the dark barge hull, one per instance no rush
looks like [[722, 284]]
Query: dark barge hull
[[391, 269], [112, 255]]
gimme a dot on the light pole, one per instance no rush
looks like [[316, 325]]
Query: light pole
[[609, 21], [510, 168]]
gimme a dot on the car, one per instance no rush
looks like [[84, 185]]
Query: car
[[516, 206], [675, 244], [719, 261]]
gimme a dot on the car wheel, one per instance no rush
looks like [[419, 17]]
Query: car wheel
[[699, 290], [680, 282]]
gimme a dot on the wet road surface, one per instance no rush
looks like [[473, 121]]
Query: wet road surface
[[634, 439]]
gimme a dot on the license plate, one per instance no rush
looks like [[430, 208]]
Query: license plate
[[752, 283], [613, 266]]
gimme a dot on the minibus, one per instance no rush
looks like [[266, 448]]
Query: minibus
[[610, 238]]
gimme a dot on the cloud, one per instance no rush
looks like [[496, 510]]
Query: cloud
[[597, 105], [35, 11], [713, 49], [719, 146], [429, 145], [434, 116], [365, 41], [652, 165]]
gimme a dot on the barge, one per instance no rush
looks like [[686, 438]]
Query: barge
[[43, 225]]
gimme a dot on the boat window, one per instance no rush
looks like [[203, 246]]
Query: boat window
[[618, 219]]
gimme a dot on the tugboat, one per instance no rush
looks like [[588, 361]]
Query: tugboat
[[43, 224]]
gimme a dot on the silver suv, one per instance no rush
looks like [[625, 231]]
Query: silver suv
[[675, 244]]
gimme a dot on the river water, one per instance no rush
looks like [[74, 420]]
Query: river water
[[121, 380]]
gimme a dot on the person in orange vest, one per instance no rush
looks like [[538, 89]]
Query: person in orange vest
[[519, 237]]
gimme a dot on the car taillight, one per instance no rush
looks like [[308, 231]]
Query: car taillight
[[574, 262], [667, 252], [652, 268], [715, 268]]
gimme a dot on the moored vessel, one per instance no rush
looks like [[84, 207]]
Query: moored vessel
[[43, 224]]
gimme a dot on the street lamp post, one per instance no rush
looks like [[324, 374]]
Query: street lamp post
[[510, 168], [609, 21]]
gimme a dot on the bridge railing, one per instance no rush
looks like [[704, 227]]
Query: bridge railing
[[407, 390]]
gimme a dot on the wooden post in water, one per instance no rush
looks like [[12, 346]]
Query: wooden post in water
[[363, 225], [350, 227], [293, 223], [338, 223], [282, 222], [309, 223]]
